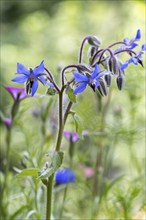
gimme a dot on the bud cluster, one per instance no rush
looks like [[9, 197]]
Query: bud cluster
[[109, 63]]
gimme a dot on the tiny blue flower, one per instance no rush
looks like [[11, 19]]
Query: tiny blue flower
[[135, 59], [64, 176], [130, 44], [91, 80], [30, 76]]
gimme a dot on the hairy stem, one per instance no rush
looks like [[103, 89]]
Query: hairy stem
[[57, 148], [81, 48], [49, 197]]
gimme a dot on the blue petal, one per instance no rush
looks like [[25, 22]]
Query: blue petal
[[100, 75], [143, 47], [133, 60], [22, 70], [51, 85], [126, 40], [34, 87], [42, 79], [20, 79], [80, 77], [97, 84], [38, 70], [96, 71], [133, 45], [138, 35], [124, 66], [80, 88]]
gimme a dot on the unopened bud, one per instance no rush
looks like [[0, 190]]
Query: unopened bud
[[94, 41], [120, 81], [51, 91], [84, 68], [8, 122], [108, 79], [102, 88], [114, 66]]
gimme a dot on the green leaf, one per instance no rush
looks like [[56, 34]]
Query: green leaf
[[46, 173], [71, 96], [57, 160], [18, 211], [78, 125], [29, 172]]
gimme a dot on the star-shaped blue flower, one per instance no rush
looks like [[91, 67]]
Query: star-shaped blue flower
[[130, 44], [135, 59], [30, 76], [91, 80]]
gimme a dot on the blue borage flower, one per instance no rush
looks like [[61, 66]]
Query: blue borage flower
[[135, 59], [130, 44], [30, 77], [91, 80], [64, 176]]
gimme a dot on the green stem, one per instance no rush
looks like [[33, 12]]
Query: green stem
[[57, 148], [63, 202], [4, 193], [61, 124], [49, 197]]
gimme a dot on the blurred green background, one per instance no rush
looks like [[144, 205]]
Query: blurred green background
[[32, 31]]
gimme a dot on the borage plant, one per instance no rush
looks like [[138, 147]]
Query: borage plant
[[103, 65]]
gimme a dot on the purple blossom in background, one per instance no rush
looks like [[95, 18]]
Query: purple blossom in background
[[30, 77], [91, 80], [88, 171], [73, 136], [130, 44], [16, 93], [8, 122], [64, 176]]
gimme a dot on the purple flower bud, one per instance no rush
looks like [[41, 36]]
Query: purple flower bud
[[71, 136], [8, 122], [17, 93]]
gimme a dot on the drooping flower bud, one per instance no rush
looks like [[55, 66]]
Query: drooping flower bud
[[84, 68], [120, 80], [108, 79], [102, 88], [94, 41], [114, 65]]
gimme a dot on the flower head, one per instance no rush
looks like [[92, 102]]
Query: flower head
[[130, 44], [16, 93], [30, 76], [64, 176], [137, 59], [73, 136], [91, 80]]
